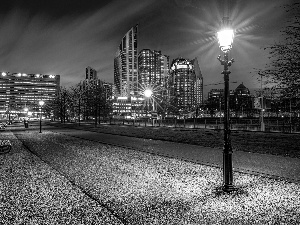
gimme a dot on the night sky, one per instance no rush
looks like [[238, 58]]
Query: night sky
[[65, 36]]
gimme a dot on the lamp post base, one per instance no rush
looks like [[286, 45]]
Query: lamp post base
[[262, 126], [228, 188]]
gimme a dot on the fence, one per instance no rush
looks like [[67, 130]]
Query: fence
[[271, 125]]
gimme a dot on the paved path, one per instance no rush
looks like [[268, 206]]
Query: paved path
[[268, 165]]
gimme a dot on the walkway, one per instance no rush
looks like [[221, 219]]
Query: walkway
[[263, 164]]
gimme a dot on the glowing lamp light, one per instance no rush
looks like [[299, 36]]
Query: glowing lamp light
[[225, 38], [3, 74], [148, 93], [41, 103]]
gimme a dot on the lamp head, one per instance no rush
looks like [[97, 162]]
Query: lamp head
[[148, 93], [41, 102], [225, 38]]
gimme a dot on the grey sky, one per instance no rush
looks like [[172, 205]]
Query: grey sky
[[64, 37]]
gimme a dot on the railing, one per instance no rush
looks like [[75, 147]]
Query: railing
[[211, 123]]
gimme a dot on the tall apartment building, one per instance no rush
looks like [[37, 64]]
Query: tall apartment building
[[20, 90], [126, 65], [153, 68], [90, 73], [186, 85], [91, 78], [199, 82]]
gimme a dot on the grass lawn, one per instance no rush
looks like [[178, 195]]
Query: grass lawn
[[260, 142]]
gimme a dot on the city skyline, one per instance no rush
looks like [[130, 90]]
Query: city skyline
[[66, 38]]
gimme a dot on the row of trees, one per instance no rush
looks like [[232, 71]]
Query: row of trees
[[85, 101]]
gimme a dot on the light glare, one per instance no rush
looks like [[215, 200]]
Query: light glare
[[41, 103], [225, 38], [148, 93]]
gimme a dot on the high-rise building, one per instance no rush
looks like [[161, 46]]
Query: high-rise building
[[126, 65], [153, 69], [186, 85], [90, 73], [199, 82], [20, 90]]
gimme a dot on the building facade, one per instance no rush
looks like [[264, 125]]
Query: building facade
[[199, 82], [153, 69], [90, 73], [19, 91], [186, 85], [126, 65], [243, 101], [240, 102]]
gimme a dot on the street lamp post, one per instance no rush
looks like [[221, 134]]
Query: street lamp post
[[225, 37], [148, 93], [41, 103], [262, 124], [26, 118]]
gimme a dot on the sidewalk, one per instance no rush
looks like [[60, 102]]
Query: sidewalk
[[32, 192], [264, 164]]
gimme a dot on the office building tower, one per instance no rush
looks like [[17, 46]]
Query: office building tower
[[199, 82], [186, 85], [125, 65], [153, 69], [90, 73], [19, 91]]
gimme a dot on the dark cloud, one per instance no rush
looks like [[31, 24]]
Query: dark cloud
[[64, 37]]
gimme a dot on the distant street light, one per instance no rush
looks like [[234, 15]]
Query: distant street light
[[148, 93], [41, 103], [26, 111], [26, 118], [225, 37]]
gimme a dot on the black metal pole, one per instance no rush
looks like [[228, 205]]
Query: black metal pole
[[41, 121], [227, 149], [79, 113]]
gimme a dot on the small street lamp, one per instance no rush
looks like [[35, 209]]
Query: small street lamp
[[225, 38], [41, 103], [26, 117], [148, 93]]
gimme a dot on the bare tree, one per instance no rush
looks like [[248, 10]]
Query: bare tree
[[284, 68]]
